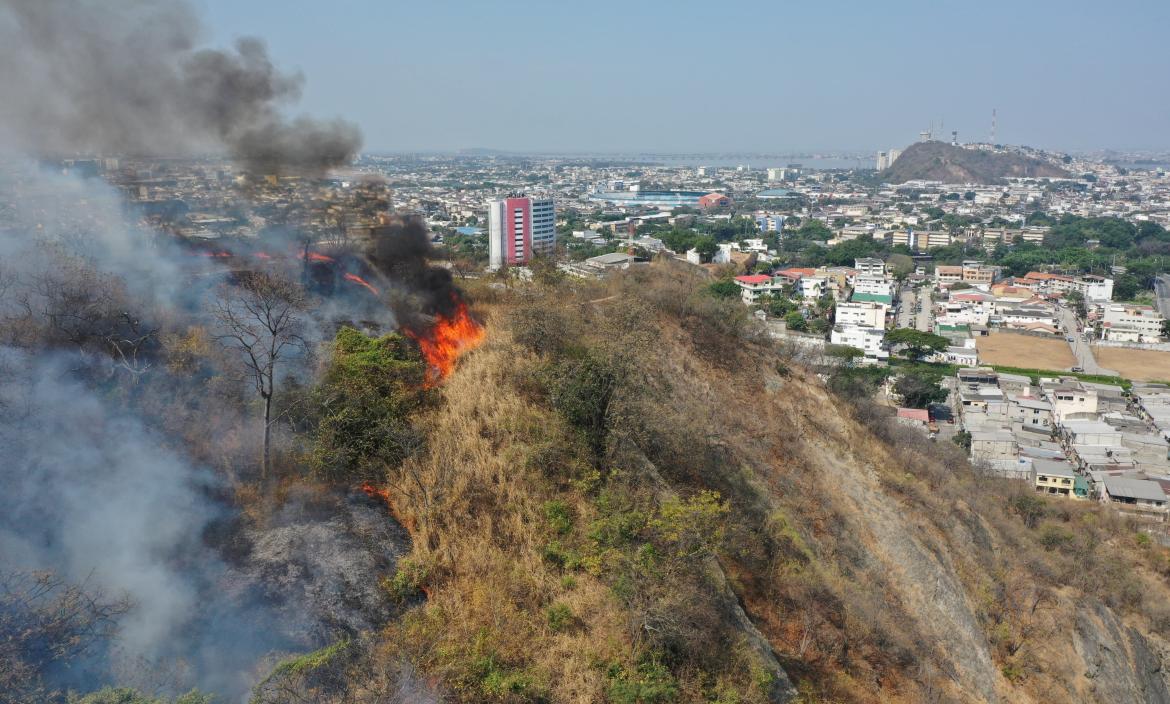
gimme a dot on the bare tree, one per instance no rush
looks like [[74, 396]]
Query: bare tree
[[261, 317], [46, 621], [128, 344]]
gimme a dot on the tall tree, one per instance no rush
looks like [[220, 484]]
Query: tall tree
[[916, 344], [919, 390], [260, 316]]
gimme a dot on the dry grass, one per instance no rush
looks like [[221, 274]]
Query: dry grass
[[880, 569], [1015, 350], [1138, 365], [481, 531]]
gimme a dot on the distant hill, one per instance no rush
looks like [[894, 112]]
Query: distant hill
[[939, 161]]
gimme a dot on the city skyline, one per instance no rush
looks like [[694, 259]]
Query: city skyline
[[743, 77]]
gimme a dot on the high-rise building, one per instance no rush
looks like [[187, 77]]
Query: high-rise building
[[520, 227]]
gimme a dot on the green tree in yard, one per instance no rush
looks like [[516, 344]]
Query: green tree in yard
[[845, 352], [776, 305], [919, 390], [795, 321], [814, 230], [819, 326], [916, 344], [1076, 301], [706, 247], [902, 265]]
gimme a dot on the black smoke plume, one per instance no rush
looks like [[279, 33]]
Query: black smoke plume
[[402, 252], [125, 77]]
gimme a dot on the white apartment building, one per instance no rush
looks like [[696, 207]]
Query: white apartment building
[[1095, 289], [813, 287], [868, 340], [870, 266], [876, 289], [865, 314], [1123, 323]]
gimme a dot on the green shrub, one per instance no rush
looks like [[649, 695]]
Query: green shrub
[[365, 400], [407, 580], [559, 516], [559, 616], [582, 389], [650, 683], [1055, 538]]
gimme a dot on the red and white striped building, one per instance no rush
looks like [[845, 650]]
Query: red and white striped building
[[519, 228]]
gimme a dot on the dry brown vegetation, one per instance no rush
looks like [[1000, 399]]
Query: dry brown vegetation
[[878, 566], [630, 494]]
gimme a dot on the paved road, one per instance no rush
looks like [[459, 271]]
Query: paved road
[[1080, 346], [924, 323], [908, 297], [905, 306], [1162, 291]]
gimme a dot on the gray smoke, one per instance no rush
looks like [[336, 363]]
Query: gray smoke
[[101, 483], [125, 77]]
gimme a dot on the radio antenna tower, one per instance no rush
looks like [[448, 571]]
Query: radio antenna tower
[[993, 125]]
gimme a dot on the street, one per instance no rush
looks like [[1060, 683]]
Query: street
[[1162, 291], [909, 297], [1080, 346]]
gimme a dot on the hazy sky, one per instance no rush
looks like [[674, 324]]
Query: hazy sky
[[674, 75]]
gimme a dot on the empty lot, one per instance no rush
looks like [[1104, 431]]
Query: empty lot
[[1139, 365], [1015, 350]]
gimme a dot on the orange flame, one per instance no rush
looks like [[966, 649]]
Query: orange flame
[[263, 255], [317, 257], [375, 493], [361, 282], [449, 338]]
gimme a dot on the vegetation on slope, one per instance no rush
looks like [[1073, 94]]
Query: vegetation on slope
[[604, 464], [630, 494]]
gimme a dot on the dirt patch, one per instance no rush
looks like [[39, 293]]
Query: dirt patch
[[1138, 365], [1027, 351]]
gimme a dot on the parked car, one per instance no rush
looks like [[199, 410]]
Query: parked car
[[1070, 338], [1078, 369]]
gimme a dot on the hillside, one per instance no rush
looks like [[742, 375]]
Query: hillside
[[939, 161], [631, 497], [625, 493]]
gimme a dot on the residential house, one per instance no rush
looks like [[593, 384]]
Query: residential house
[[753, 286], [866, 314], [1126, 323], [868, 340], [990, 445], [1058, 479], [1137, 497], [876, 289]]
